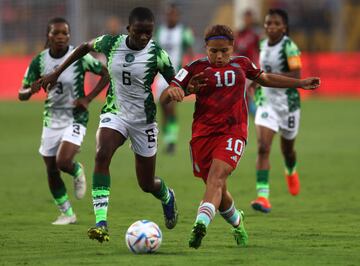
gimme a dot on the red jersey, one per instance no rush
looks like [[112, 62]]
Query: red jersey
[[247, 44], [221, 106]]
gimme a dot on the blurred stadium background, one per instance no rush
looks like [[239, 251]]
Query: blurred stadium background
[[319, 227], [327, 31]]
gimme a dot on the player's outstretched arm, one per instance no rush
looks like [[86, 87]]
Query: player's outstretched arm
[[48, 81], [174, 93], [279, 81], [85, 101]]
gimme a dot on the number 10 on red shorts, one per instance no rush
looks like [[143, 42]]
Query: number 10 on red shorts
[[204, 150]]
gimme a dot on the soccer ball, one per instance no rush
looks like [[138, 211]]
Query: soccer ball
[[143, 237]]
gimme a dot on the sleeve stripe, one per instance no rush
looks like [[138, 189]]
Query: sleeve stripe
[[258, 75], [173, 81]]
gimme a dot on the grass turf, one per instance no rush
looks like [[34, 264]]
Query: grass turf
[[318, 227]]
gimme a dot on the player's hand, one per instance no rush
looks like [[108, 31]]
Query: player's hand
[[82, 103], [35, 86], [310, 83], [197, 82], [176, 94], [49, 81]]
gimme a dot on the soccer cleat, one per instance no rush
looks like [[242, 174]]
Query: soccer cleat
[[197, 234], [99, 232], [65, 219], [170, 211], [80, 184], [293, 183], [239, 233], [261, 204]]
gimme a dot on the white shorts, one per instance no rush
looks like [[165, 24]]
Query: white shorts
[[143, 136], [51, 138], [285, 122]]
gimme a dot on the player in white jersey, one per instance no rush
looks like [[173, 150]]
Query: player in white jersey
[[65, 115], [129, 112], [278, 110], [176, 40]]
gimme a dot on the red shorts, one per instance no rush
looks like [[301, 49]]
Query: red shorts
[[203, 150]]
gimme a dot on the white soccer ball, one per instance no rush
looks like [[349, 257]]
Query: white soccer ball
[[143, 237]]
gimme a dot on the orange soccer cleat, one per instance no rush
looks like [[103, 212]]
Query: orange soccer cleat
[[293, 183], [261, 204]]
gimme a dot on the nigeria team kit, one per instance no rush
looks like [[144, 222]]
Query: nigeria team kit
[[130, 108], [61, 121]]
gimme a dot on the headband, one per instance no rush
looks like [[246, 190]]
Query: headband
[[218, 37]]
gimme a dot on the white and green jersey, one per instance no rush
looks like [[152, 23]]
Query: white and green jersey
[[175, 41], [279, 58], [59, 108], [131, 75]]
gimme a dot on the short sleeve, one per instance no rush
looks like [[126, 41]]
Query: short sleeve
[[33, 72], [293, 55], [182, 78], [91, 64], [251, 70], [104, 44], [165, 66]]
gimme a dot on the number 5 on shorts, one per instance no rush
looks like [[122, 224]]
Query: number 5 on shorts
[[151, 138]]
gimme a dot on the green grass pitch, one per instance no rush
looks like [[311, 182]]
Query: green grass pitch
[[318, 227]]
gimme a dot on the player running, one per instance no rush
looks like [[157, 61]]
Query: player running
[[65, 115], [219, 129], [129, 112], [278, 110], [176, 39]]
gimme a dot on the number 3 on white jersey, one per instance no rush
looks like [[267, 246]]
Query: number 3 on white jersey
[[238, 146]]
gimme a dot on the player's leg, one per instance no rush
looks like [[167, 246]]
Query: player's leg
[[107, 142], [50, 141], [171, 127], [265, 137], [288, 151], [216, 180], [69, 147], [58, 191], [288, 131], [149, 183], [234, 217], [144, 144]]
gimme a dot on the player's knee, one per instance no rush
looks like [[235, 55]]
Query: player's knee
[[263, 149], [64, 164], [103, 156], [216, 182]]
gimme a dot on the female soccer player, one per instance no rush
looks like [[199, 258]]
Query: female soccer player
[[219, 130], [278, 110], [129, 112], [65, 115]]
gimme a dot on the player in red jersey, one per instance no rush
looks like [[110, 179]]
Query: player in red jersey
[[219, 130]]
